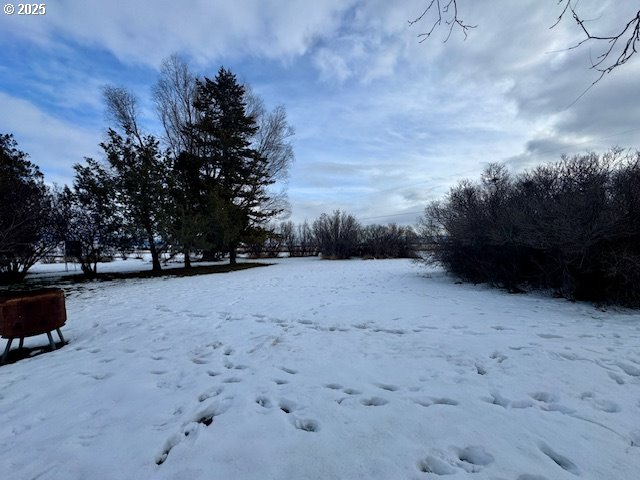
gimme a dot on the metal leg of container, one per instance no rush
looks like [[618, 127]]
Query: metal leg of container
[[60, 335], [21, 343], [6, 351], [53, 345]]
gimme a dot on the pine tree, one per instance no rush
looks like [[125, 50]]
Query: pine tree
[[233, 173]]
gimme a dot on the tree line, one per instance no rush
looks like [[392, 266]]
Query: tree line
[[337, 235], [204, 185]]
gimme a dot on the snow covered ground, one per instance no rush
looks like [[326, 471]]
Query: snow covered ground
[[314, 369]]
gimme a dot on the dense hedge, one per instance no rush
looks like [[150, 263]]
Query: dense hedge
[[572, 226]]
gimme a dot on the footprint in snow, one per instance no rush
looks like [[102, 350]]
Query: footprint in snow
[[603, 405], [616, 378], [387, 387], [279, 381], [287, 406], [470, 459], [373, 402], [549, 336], [560, 460], [232, 380], [263, 402], [290, 371], [629, 369], [333, 386], [203, 417], [351, 391], [427, 402], [499, 357], [305, 424]]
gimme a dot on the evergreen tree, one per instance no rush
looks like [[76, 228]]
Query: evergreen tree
[[233, 173], [140, 178], [29, 225], [93, 215]]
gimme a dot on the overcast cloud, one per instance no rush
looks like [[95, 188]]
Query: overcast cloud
[[383, 123]]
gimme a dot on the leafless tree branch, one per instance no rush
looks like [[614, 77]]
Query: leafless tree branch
[[444, 11], [618, 48]]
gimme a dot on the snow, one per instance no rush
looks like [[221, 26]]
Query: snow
[[312, 369]]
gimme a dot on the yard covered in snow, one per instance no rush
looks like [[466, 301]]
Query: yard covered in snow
[[312, 369]]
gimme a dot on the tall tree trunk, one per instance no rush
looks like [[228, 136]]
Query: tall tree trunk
[[187, 260], [232, 254], [155, 256]]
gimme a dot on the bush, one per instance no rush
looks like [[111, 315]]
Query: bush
[[337, 235], [572, 226], [388, 241], [298, 240]]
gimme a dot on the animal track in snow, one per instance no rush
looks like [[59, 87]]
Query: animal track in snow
[[497, 399], [475, 456], [435, 465], [263, 402], [333, 386], [351, 391], [549, 336], [470, 459], [560, 460], [279, 381], [204, 417], [213, 392], [290, 371], [607, 406], [544, 397], [232, 380], [499, 357], [616, 378], [427, 402], [387, 387], [306, 424], [373, 402], [629, 369], [287, 406]]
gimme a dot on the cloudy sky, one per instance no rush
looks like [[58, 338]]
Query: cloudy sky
[[383, 123]]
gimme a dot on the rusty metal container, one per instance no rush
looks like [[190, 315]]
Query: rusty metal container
[[24, 314]]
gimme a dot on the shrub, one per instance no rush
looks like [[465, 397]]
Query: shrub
[[337, 235], [572, 226], [388, 241]]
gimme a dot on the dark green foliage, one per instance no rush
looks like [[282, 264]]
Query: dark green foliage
[[30, 226], [140, 175], [94, 215], [573, 226], [223, 172]]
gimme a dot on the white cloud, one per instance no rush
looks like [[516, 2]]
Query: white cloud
[[52, 144], [384, 123]]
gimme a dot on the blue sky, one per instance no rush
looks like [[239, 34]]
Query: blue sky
[[384, 124]]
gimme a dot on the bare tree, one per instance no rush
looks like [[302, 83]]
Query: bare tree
[[122, 107], [174, 95], [617, 48]]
